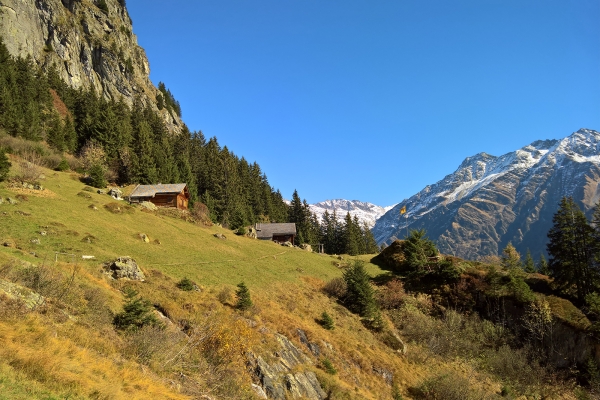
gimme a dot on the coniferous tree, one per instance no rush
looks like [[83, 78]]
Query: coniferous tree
[[510, 257], [371, 246], [137, 312], [4, 165], [360, 295], [243, 297], [543, 265], [418, 250], [529, 265], [571, 250]]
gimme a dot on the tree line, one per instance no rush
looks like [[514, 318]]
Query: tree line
[[133, 145]]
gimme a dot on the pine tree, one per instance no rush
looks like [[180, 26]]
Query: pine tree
[[571, 250], [529, 265], [243, 297], [351, 236], [136, 313], [4, 165], [543, 265], [418, 251], [360, 295]]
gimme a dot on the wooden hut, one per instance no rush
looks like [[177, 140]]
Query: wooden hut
[[282, 232], [174, 195]]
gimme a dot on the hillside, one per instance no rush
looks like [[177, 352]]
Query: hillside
[[66, 345], [490, 201]]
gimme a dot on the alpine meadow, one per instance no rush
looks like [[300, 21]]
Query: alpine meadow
[[141, 259]]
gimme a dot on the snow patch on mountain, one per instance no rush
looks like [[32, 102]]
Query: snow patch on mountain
[[366, 212]]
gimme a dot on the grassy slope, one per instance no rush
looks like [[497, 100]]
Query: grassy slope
[[285, 284]]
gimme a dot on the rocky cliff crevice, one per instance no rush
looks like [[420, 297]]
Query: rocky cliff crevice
[[91, 45]]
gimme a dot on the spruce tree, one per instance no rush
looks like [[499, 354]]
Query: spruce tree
[[136, 313], [572, 249], [243, 297], [529, 265], [543, 265], [360, 295], [4, 165], [418, 250]]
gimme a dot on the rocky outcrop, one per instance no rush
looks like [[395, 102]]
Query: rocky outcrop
[[124, 268], [490, 201], [286, 376], [90, 47]]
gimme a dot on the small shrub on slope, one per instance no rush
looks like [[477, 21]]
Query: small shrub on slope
[[243, 297], [137, 313], [186, 285]]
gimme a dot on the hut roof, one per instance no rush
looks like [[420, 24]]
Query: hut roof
[[152, 190], [268, 230]]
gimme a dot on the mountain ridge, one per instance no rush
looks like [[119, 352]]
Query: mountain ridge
[[523, 185], [365, 211]]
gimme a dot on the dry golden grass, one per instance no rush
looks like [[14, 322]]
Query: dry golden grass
[[70, 347]]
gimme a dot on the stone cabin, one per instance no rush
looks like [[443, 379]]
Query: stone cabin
[[280, 232], [174, 195]]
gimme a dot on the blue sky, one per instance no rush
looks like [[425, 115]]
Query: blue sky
[[373, 100]]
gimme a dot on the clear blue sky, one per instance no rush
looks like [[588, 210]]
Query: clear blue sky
[[374, 100]]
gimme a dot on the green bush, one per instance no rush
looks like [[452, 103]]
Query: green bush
[[63, 165], [327, 321], [186, 285], [103, 6], [328, 366]]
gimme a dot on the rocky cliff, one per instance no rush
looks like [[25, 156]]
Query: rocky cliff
[[91, 44], [489, 201]]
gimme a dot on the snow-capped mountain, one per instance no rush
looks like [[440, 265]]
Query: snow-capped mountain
[[366, 212], [489, 201]]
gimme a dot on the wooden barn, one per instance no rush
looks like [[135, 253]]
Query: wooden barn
[[174, 195], [282, 232]]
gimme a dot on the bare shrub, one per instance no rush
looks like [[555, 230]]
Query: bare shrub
[[514, 366], [92, 154], [51, 161], [29, 169], [151, 344], [392, 295], [225, 295], [447, 386], [11, 308], [336, 288], [201, 214]]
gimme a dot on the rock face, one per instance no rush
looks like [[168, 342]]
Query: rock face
[[90, 47], [125, 268], [285, 377], [490, 201]]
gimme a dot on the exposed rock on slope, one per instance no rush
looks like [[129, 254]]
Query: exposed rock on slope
[[489, 201], [90, 47]]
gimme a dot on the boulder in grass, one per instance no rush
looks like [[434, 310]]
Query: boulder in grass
[[124, 268]]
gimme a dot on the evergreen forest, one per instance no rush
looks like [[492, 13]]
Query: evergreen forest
[[125, 145]]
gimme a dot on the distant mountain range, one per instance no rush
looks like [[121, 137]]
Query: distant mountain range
[[366, 212], [490, 201]]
